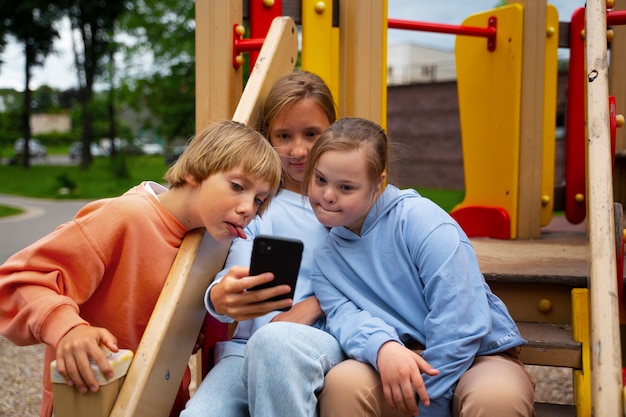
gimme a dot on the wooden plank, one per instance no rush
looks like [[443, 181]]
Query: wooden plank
[[558, 255], [218, 83], [606, 366], [554, 410], [536, 303], [531, 119], [276, 58], [162, 356], [362, 91], [549, 345]]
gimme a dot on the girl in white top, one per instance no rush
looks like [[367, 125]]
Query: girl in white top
[[281, 379]]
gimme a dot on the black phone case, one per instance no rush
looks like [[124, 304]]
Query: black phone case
[[279, 255]]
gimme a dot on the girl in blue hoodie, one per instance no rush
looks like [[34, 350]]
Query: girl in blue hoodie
[[400, 285]]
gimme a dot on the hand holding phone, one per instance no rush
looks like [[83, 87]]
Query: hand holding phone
[[280, 256]]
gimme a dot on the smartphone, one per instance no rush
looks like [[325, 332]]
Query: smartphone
[[280, 256]]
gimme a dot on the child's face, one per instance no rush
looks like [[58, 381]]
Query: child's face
[[228, 201], [292, 133], [340, 191]]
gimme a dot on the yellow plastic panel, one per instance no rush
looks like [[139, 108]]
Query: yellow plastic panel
[[549, 114], [489, 88], [320, 42], [580, 333]]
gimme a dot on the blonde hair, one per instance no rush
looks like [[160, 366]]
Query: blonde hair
[[291, 88], [225, 146], [349, 134]]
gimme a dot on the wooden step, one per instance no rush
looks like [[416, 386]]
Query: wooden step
[[535, 278], [557, 257], [554, 410], [550, 345], [538, 303]]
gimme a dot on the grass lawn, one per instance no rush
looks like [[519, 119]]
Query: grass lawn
[[8, 211], [446, 199], [71, 182]]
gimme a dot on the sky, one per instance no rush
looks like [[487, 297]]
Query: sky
[[58, 71]]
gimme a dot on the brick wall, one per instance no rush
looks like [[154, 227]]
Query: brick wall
[[423, 123]]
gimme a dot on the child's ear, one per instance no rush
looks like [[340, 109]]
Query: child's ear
[[191, 180], [382, 181]]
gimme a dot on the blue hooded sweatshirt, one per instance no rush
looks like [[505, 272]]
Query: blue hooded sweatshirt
[[411, 276]]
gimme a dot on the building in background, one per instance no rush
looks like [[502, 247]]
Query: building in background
[[410, 63], [49, 123]]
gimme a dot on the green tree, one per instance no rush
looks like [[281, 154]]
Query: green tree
[[94, 20], [165, 32], [45, 100], [10, 111], [31, 22]]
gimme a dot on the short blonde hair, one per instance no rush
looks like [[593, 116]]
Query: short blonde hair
[[225, 146]]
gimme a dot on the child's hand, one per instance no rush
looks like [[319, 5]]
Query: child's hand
[[230, 297], [400, 372], [306, 312], [76, 348]]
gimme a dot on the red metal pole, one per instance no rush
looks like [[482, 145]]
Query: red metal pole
[[616, 17], [575, 188], [243, 45], [247, 45], [485, 32]]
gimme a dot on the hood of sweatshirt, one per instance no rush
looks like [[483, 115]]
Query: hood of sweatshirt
[[390, 197]]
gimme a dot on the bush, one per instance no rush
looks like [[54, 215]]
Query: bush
[[57, 139]]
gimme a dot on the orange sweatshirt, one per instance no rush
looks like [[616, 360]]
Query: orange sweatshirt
[[106, 267]]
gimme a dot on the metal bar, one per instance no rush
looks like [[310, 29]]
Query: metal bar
[[485, 32], [247, 45], [616, 17]]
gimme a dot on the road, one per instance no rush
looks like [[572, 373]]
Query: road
[[21, 367], [40, 218], [48, 160]]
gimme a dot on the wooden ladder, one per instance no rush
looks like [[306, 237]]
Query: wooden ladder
[[544, 285]]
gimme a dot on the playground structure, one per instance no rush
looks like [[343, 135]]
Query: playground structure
[[563, 294]]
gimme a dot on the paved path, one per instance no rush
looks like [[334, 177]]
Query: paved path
[[40, 218], [21, 367]]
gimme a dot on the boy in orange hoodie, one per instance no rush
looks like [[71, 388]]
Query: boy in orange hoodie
[[95, 280]]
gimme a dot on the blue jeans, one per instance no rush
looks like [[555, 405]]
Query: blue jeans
[[281, 374]]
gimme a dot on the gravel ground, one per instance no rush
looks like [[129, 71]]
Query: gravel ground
[[554, 385], [20, 392]]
